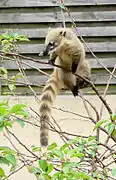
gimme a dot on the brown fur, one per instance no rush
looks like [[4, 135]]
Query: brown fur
[[67, 51]]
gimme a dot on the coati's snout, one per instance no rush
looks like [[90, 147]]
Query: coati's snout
[[45, 52], [52, 45]]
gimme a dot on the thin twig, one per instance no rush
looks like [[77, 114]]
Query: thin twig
[[25, 78], [22, 143], [106, 89], [63, 16], [15, 171]]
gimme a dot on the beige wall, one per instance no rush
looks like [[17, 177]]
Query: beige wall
[[68, 122]]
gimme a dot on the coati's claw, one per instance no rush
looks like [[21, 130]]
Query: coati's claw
[[75, 91]]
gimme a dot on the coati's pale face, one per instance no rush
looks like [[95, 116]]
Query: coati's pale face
[[53, 40], [49, 47]]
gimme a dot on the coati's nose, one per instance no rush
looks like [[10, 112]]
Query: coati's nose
[[44, 53], [41, 53]]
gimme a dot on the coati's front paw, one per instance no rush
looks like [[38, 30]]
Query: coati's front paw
[[74, 67]]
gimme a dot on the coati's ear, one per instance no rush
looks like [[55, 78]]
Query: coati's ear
[[60, 33], [64, 33], [49, 29]]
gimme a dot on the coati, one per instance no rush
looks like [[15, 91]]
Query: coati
[[66, 50]]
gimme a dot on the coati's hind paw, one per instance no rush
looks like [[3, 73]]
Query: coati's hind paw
[[75, 91]]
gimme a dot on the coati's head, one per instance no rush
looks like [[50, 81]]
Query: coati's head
[[54, 38]]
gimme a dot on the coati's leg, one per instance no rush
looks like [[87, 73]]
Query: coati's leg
[[69, 80], [84, 70], [74, 86], [74, 67], [53, 57]]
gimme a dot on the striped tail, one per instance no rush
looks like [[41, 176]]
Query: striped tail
[[48, 96]]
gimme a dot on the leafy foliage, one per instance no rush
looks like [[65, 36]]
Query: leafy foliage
[[7, 114], [110, 125], [7, 157], [7, 118], [70, 161], [9, 44], [9, 41], [66, 162]]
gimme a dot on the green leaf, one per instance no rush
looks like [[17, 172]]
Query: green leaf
[[18, 107], [8, 123], [58, 153], [43, 165], [3, 160], [5, 102], [36, 148], [17, 76], [4, 70], [99, 123], [7, 36], [34, 170], [58, 176], [111, 127], [52, 146], [50, 168], [62, 6], [1, 120], [22, 38], [1, 128], [1, 37], [65, 170], [95, 146], [2, 173], [46, 177], [4, 42], [12, 87], [22, 113], [92, 152], [113, 172], [114, 117], [114, 133], [15, 34], [3, 110], [83, 176], [6, 150], [13, 167], [64, 147], [11, 158], [77, 155], [20, 122], [91, 138]]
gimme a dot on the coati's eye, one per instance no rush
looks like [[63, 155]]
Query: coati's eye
[[63, 33], [51, 43]]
